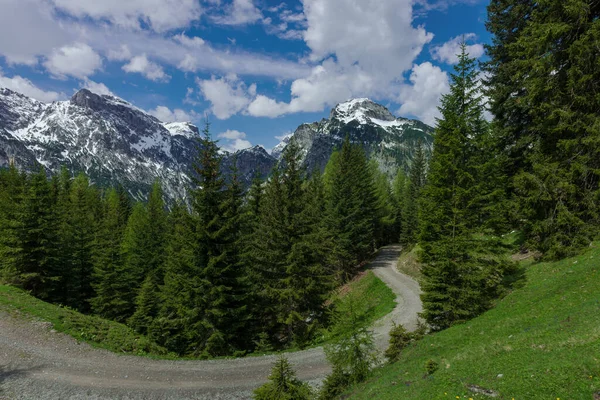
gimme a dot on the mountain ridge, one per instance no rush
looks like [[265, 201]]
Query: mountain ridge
[[115, 142]]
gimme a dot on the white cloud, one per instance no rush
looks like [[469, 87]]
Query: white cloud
[[121, 53], [227, 95], [31, 29], [234, 141], [421, 98], [357, 49], [263, 106], [97, 87], [149, 69], [376, 35], [165, 114], [159, 15], [78, 60], [448, 52], [25, 86], [27, 30], [239, 12]]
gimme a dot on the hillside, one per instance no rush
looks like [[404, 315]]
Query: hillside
[[542, 341]]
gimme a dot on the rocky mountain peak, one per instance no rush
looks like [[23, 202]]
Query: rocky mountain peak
[[359, 110]]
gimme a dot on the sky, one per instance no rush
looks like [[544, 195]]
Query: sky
[[255, 69]]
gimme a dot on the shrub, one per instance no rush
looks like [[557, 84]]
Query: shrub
[[400, 338], [283, 384]]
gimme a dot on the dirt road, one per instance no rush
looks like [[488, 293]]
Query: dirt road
[[37, 363]]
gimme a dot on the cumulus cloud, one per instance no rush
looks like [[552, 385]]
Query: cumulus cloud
[[159, 15], [28, 29], [239, 12], [357, 49], [227, 95], [25, 86], [97, 87], [448, 52], [233, 141], [78, 60], [133, 31], [149, 69], [165, 114], [421, 98]]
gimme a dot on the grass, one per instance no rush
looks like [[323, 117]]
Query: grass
[[96, 331], [374, 297], [542, 341], [371, 298], [408, 263]]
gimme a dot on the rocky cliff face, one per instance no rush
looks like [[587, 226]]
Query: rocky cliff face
[[389, 140], [115, 142]]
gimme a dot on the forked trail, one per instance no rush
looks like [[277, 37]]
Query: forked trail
[[38, 364]]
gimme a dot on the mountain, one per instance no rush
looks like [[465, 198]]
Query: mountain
[[113, 141], [389, 140], [106, 137]]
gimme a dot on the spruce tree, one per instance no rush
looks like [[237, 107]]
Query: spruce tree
[[110, 281], [35, 264], [178, 325], [551, 56], [12, 196], [410, 212], [462, 271], [351, 208], [80, 233]]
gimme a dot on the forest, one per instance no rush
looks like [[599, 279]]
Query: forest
[[227, 273]]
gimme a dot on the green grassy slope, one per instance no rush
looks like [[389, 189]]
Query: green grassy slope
[[542, 341], [374, 297], [96, 331]]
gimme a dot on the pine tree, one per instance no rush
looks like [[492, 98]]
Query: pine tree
[[351, 208], [110, 281], [462, 272], [178, 325], [399, 189], [216, 210], [136, 257], [283, 384], [556, 120], [12, 195], [80, 233], [35, 261], [410, 213], [384, 207]]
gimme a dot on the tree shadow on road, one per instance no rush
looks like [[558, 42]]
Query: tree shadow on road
[[7, 372]]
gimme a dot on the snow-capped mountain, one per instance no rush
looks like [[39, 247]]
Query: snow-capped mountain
[[389, 140], [113, 141]]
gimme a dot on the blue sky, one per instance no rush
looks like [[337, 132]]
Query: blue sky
[[256, 68]]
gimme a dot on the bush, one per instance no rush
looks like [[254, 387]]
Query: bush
[[334, 384], [400, 338], [283, 384], [431, 366]]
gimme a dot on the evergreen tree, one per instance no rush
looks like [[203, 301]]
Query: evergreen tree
[[12, 196], [462, 271], [35, 261], [384, 208], [110, 281], [544, 80], [136, 257], [283, 384], [178, 325], [410, 213], [80, 233], [398, 199], [217, 213], [351, 208]]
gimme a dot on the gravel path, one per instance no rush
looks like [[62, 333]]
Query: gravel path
[[38, 363]]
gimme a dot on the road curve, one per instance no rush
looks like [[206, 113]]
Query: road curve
[[37, 363]]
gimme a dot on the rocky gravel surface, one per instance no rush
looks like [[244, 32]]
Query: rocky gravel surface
[[39, 363]]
